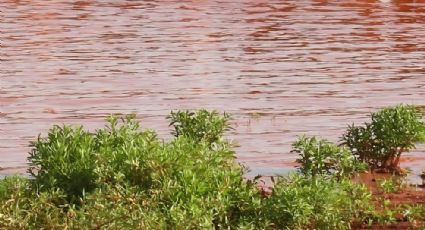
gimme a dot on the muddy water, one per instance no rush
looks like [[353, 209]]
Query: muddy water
[[282, 68]]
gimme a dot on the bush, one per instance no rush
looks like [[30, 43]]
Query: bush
[[297, 202], [65, 159], [321, 202], [13, 186], [393, 184], [319, 156], [20, 208], [124, 153], [78, 161], [392, 131], [124, 177], [199, 125]]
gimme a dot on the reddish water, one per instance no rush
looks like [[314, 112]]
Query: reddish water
[[283, 68]]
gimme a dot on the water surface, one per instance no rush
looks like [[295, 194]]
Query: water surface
[[282, 68]]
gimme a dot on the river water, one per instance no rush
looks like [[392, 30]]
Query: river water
[[282, 68]]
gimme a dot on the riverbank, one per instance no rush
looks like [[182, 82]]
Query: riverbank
[[402, 205], [123, 176]]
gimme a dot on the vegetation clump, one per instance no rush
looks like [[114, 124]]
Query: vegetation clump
[[393, 184], [391, 132], [320, 202], [125, 177], [319, 156], [78, 161], [199, 125]]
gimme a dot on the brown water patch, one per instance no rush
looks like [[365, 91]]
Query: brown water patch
[[408, 159], [12, 170], [306, 67]]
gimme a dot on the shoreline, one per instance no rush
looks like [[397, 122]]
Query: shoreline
[[266, 171]]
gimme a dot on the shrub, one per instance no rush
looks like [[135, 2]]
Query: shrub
[[199, 125], [297, 202], [13, 186], [65, 159], [413, 213], [321, 202], [319, 156], [392, 131], [124, 152], [359, 140], [393, 184], [20, 208], [124, 177], [78, 161], [201, 187]]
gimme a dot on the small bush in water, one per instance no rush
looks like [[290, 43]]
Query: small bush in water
[[319, 156], [199, 125], [392, 131], [320, 202]]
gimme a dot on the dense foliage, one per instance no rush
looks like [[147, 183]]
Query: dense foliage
[[392, 131], [124, 177], [199, 125], [320, 202], [319, 156]]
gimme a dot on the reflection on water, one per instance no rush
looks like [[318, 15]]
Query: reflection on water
[[309, 66]]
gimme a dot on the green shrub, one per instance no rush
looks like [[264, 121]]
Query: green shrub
[[360, 141], [385, 214], [78, 161], [12, 186], [296, 203], [199, 125], [20, 208], [393, 184], [201, 187], [321, 202], [65, 159], [124, 177], [319, 156], [392, 131], [413, 213], [124, 152]]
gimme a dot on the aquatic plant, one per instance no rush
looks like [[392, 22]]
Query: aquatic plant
[[393, 184], [77, 161], [114, 176], [391, 132], [65, 159], [124, 177], [320, 202], [413, 213], [319, 156], [199, 125]]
